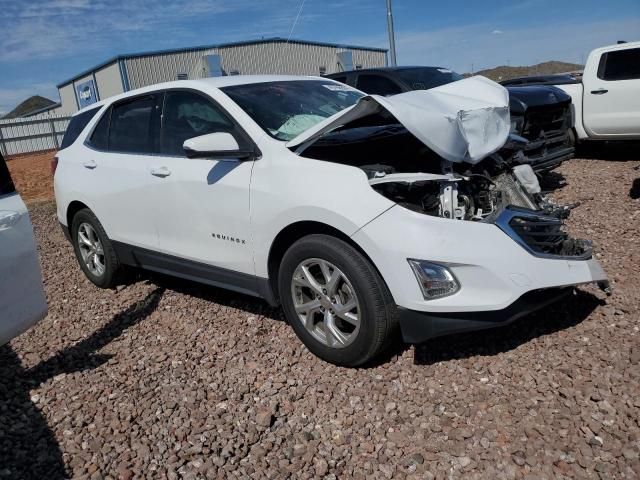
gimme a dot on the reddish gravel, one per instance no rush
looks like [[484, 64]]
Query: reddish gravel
[[168, 379]]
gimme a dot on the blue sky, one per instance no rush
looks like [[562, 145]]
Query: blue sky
[[45, 42]]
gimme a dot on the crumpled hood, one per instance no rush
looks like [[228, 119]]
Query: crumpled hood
[[463, 121]]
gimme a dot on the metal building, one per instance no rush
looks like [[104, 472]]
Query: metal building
[[268, 56]]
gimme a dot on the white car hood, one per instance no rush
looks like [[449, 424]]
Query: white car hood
[[463, 121]]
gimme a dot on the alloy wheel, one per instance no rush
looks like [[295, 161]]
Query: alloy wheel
[[326, 302], [91, 249]]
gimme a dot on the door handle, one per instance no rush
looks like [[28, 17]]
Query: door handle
[[600, 91], [160, 172], [90, 164], [8, 219]]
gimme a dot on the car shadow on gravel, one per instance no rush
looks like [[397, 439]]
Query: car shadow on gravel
[[553, 318], [634, 192], [617, 151], [28, 447]]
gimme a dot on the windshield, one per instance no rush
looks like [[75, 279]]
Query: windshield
[[286, 109], [426, 78]]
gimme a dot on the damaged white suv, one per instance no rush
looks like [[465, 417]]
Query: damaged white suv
[[359, 214]]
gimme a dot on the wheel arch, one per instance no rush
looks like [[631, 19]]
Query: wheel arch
[[72, 209], [294, 232]]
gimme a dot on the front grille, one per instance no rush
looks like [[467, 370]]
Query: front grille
[[542, 235], [545, 120]]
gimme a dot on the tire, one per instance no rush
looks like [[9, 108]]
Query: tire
[[335, 333], [86, 225]]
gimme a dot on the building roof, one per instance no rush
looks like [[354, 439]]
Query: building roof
[[204, 83], [208, 47]]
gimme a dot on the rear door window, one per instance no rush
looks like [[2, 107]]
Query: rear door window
[[187, 115], [620, 65], [135, 126], [6, 184], [100, 136], [377, 85], [76, 126]]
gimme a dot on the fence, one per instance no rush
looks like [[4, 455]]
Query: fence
[[25, 135]]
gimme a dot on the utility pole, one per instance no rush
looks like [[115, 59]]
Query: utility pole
[[392, 37]]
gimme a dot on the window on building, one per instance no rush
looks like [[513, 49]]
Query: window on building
[[183, 76], [100, 136], [76, 126], [134, 126], [234, 72], [187, 115], [358, 66], [377, 85], [620, 65], [6, 184]]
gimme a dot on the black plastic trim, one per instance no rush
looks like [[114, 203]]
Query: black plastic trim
[[417, 327], [195, 271]]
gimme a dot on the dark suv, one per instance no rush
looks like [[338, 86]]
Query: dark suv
[[540, 114]]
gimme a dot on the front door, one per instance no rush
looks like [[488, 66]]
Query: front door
[[202, 212], [611, 106]]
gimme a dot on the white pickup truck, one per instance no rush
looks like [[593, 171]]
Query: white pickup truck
[[607, 101]]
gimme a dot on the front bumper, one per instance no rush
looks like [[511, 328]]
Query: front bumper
[[544, 153], [417, 327], [493, 269]]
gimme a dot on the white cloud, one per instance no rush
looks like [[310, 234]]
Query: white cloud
[[497, 32]]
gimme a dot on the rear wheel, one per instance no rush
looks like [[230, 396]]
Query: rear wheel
[[93, 249], [336, 301]]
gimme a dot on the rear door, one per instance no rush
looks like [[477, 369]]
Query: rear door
[[22, 298], [117, 170], [611, 105]]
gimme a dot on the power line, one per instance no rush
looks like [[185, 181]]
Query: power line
[[295, 22]]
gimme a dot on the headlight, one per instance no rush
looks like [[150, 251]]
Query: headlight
[[435, 280], [516, 124]]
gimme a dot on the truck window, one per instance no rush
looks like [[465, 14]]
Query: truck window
[[377, 85], [620, 65]]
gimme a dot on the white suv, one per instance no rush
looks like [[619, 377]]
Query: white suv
[[358, 214]]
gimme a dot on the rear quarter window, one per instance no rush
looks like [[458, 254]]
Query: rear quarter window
[[6, 184], [76, 126]]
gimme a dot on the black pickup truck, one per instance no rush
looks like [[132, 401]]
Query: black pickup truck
[[541, 118]]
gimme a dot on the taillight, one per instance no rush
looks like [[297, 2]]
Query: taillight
[[54, 165]]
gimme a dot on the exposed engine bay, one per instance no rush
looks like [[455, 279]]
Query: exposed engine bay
[[413, 176], [463, 196]]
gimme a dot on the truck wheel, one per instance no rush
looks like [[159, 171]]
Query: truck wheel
[[336, 301], [93, 249]]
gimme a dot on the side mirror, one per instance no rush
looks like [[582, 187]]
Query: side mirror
[[219, 145]]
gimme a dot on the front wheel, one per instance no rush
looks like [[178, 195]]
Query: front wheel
[[336, 301]]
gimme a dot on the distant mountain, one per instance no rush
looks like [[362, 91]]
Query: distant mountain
[[546, 68], [29, 105]]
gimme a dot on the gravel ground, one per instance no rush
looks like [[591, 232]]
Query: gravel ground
[[168, 379]]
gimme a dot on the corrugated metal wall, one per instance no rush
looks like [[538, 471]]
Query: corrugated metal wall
[[33, 134], [267, 58], [294, 58]]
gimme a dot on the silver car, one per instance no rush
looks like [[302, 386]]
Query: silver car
[[22, 298]]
